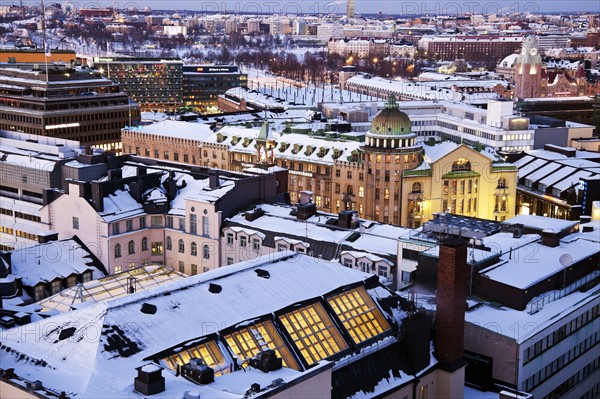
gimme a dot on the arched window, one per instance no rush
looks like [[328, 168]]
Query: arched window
[[117, 251], [502, 182], [350, 190], [205, 252], [194, 249], [144, 244], [169, 243], [461, 165], [416, 187], [131, 247], [181, 246]]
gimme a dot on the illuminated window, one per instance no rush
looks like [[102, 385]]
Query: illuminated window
[[313, 332], [359, 314], [248, 342], [461, 164], [209, 352]]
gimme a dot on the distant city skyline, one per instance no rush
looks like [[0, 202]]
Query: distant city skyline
[[395, 7]]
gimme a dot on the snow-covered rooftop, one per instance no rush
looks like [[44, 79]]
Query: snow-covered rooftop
[[176, 129], [89, 364], [44, 263], [542, 222], [527, 266], [516, 324]]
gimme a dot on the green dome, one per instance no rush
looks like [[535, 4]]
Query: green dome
[[391, 121]]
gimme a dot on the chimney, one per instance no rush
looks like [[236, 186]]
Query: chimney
[[517, 230], [451, 299], [213, 179], [417, 339], [115, 174], [149, 380], [254, 214], [306, 197], [348, 219], [550, 238], [304, 212]]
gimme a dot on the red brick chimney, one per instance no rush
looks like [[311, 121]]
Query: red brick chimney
[[451, 299]]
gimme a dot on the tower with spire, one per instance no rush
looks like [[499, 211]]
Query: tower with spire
[[528, 74], [350, 9], [265, 144]]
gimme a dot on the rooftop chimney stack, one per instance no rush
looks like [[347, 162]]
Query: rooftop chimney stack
[[450, 314], [214, 179], [149, 380]]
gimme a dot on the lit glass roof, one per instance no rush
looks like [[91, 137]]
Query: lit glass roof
[[247, 342], [301, 337], [359, 314], [313, 332], [110, 287]]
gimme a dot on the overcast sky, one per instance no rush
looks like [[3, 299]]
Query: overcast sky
[[397, 7]]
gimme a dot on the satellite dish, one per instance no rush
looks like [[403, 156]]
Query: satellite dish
[[566, 260]]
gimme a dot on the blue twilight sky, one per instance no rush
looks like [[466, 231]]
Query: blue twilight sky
[[397, 7]]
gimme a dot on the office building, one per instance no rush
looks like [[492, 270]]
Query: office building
[[155, 84], [481, 49], [67, 103], [202, 85]]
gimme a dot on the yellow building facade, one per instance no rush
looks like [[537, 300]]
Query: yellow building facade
[[460, 180]]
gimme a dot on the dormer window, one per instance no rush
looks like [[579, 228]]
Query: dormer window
[[309, 150]]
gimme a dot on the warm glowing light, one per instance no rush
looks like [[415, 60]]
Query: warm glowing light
[[525, 209], [596, 210]]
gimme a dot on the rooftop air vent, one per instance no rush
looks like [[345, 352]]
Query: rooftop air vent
[[214, 288], [262, 273], [266, 361], [191, 395], [66, 333], [148, 308], [197, 371]]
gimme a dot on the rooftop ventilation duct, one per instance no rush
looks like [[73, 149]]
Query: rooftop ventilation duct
[[198, 372], [214, 288], [266, 361], [148, 308]]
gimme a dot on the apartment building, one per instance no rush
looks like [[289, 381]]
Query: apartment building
[[138, 214]]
